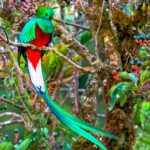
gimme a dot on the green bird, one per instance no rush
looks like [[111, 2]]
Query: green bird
[[39, 32]]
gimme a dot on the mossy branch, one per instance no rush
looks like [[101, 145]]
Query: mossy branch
[[74, 44]]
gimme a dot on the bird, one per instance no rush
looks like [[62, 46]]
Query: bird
[[39, 31]]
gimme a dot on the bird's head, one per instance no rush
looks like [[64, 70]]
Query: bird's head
[[44, 12]]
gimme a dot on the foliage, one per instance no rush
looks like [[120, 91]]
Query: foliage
[[142, 111], [121, 92], [137, 89], [6, 145]]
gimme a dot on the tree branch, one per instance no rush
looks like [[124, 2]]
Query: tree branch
[[10, 102], [46, 49], [16, 118], [71, 24], [74, 44], [98, 30]]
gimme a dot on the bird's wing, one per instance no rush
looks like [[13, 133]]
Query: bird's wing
[[28, 32]]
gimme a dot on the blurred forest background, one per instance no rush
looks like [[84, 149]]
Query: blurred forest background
[[104, 78]]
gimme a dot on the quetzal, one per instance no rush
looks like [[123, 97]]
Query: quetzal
[[39, 31]]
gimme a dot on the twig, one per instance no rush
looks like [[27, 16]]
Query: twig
[[35, 99], [71, 24], [65, 98], [77, 33], [97, 32], [64, 81], [10, 114], [10, 102], [47, 49], [81, 3], [75, 88], [59, 81], [10, 122], [5, 34], [16, 118], [101, 115], [1, 53]]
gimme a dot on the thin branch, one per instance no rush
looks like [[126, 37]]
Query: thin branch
[[81, 4], [101, 115], [1, 53], [77, 33], [34, 100], [16, 118], [97, 32], [59, 82], [71, 24], [46, 49], [5, 34], [10, 102], [10, 122], [10, 114], [75, 89], [64, 81]]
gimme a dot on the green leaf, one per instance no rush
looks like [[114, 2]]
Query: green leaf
[[146, 106], [114, 94], [6, 24], [143, 53], [62, 48], [53, 63], [145, 64], [145, 140], [66, 146], [25, 144], [26, 95], [122, 99], [121, 91], [143, 118], [44, 131], [77, 58], [6, 145], [86, 36], [145, 76], [42, 120], [128, 76], [16, 14]]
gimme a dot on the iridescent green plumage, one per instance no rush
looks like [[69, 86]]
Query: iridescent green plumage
[[43, 18]]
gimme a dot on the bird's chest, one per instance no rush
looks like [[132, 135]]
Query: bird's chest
[[42, 38]]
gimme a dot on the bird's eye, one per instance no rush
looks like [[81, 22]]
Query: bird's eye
[[46, 14]]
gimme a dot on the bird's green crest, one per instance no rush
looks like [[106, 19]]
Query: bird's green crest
[[44, 12]]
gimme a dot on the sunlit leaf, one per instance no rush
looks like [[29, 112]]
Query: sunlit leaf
[[86, 36], [25, 144], [145, 76], [6, 145]]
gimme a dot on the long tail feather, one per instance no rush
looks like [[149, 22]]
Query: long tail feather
[[86, 135], [77, 125]]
